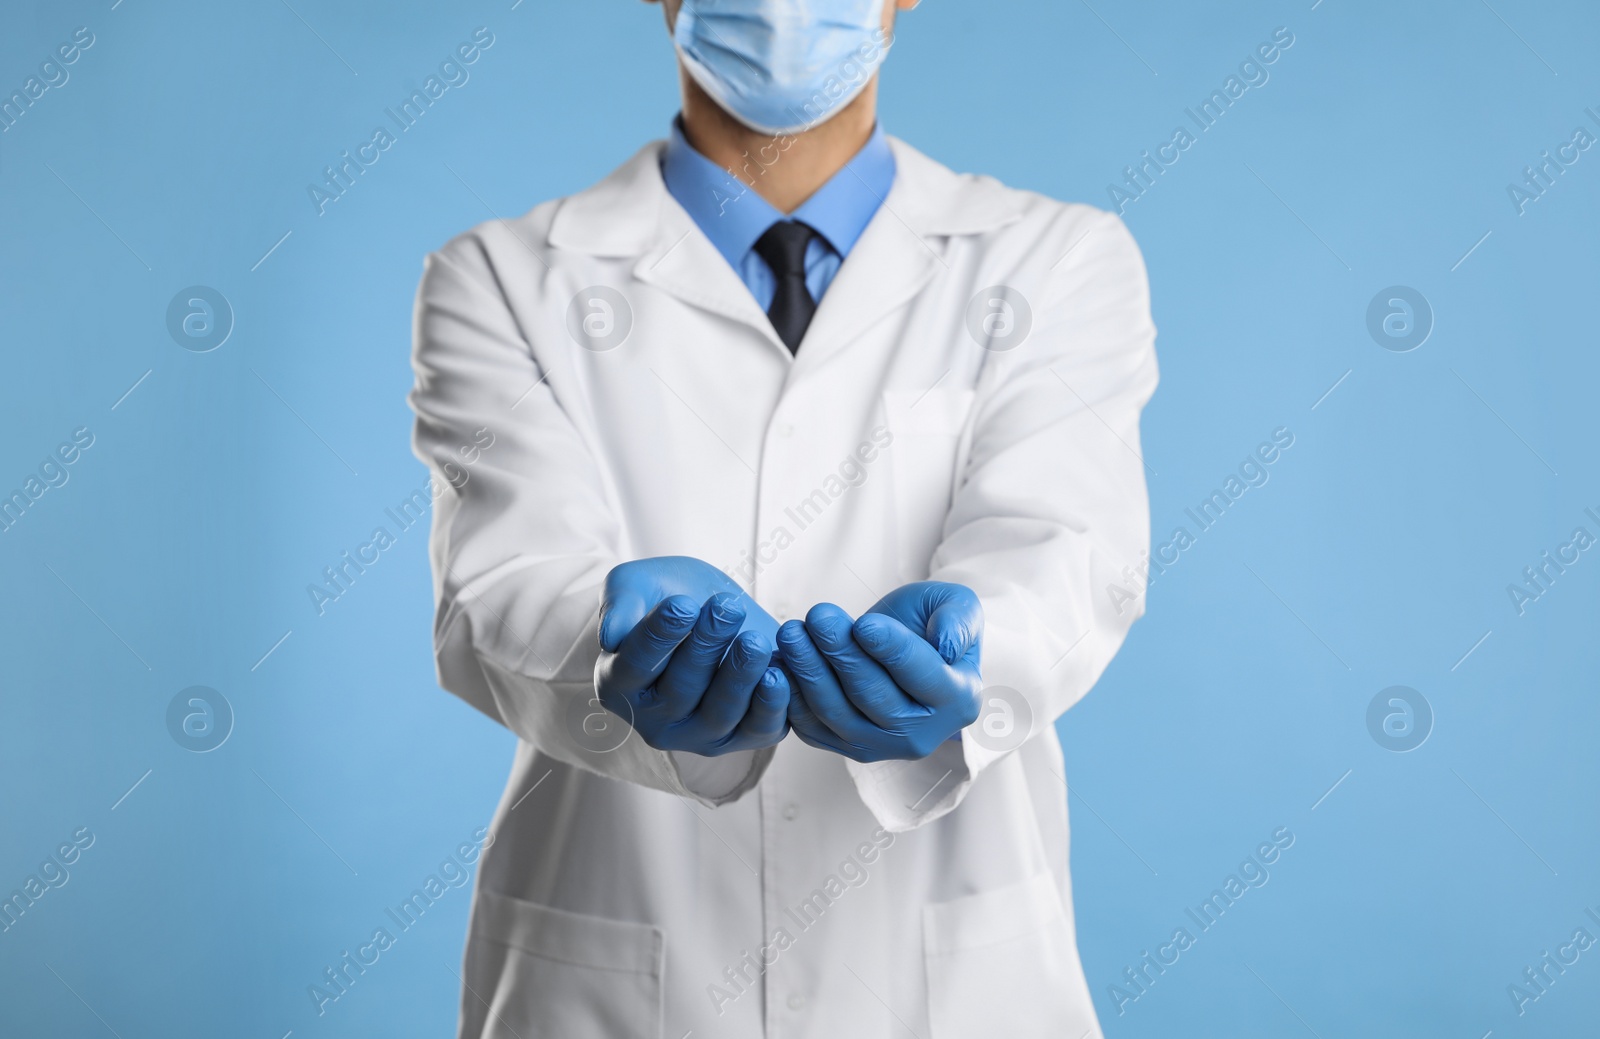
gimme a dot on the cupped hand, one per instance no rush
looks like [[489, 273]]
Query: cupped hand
[[895, 683], [689, 672]]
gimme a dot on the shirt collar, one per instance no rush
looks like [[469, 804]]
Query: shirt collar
[[733, 216]]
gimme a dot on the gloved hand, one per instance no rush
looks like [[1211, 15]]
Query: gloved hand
[[879, 688], [686, 658], [634, 588]]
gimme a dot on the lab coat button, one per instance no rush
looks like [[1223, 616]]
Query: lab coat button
[[786, 429], [791, 810], [796, 1001]]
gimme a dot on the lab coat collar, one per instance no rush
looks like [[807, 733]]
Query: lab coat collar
[[734, 216], [620, 216], [631, 213]]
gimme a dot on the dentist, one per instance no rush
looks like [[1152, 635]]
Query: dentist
[[815, 479]]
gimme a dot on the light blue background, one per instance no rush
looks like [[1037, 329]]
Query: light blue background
[[1378, 554]]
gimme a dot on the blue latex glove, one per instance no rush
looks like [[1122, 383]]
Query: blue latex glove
[[897, 682], [686, 658], [635, 588]]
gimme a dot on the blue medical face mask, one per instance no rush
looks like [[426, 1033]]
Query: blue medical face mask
[[782, 66]]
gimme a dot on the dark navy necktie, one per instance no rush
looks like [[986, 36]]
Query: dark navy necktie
[[783, 247]]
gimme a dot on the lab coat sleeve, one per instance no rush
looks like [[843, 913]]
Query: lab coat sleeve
[[1048, 509], [524, 533]]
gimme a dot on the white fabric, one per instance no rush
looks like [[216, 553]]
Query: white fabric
[[623, 885]]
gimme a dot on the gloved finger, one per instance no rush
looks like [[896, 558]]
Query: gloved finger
[[727, 697], [866, 684], [643, 653], [768, 716], [812, 732], [815, 681], [689, 672], [955, 624], [916, 667], [621, 610]]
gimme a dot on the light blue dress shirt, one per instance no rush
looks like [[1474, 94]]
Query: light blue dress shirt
[[733, 216]]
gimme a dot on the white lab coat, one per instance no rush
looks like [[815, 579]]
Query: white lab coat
[[632, 892]]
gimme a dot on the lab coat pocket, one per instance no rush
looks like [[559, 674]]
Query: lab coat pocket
[[1004, 962], [548, 972], [927, 428]]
